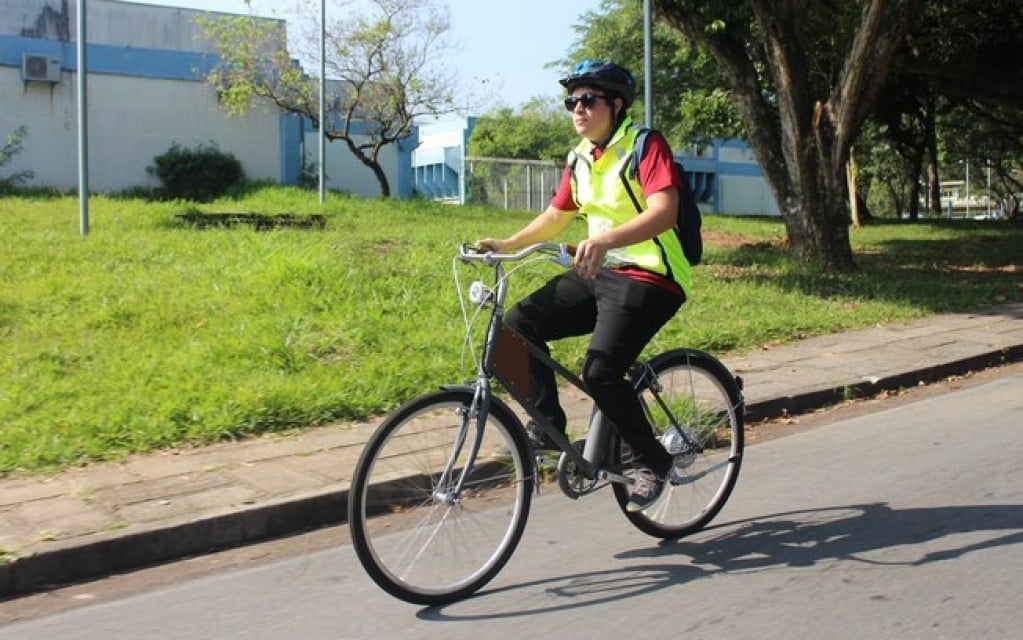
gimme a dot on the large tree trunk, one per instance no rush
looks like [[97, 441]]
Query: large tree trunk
[[812, 194], [801, 143], [916, 167]]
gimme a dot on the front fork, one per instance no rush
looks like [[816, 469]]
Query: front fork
[[448, 489]]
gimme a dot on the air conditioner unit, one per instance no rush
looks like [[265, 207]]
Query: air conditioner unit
[[39, 68]]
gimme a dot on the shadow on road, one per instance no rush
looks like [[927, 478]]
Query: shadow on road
[[871, 533], [804, 538]]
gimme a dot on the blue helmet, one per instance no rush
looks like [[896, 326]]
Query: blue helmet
[[608, 76]]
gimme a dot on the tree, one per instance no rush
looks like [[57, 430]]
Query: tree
[[805, 76], [906, 117], [385, 65], [691, 104], [540, 131], [955, 96], [971, 58], [956, 39]]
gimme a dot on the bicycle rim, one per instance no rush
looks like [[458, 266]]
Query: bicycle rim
[[414, 537], [707, 402]]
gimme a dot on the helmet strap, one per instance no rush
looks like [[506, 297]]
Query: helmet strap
[[617, 119]]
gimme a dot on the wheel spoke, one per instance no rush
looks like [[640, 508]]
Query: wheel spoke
[[696, 394], [429, 545]]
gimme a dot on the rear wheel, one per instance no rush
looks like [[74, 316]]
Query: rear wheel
[[418, 537], [706, 402]]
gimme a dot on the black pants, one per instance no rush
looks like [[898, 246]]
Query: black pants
[[622, 314]]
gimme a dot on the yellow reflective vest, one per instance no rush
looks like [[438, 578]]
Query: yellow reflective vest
[[608, 197]]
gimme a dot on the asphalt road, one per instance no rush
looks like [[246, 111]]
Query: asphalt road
[[903, 519]]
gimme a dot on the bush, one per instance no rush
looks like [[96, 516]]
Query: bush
[[11, 147], [201, 174]]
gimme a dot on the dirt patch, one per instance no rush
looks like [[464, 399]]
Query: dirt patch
[[738, 241], [261, 221]]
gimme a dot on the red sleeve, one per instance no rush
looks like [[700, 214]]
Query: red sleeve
[[656, 167], [563, 197]]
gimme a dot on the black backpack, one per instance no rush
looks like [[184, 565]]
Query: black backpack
[[689, 220]]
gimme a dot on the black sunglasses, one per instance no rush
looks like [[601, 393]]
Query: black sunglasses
[[588, 100]]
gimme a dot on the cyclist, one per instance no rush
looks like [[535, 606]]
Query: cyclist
[[629, 275]]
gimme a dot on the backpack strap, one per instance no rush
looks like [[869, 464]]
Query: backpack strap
[[572, 161], [637, 152]]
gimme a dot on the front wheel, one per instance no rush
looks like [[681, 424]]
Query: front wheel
[[698, 393], [418, 536]]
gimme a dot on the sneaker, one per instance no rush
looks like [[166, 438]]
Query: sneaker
[[539, 440], [646, 489]]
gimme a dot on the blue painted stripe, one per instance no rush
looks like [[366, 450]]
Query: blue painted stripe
[[336, 121], [738, 169], [118, 60]]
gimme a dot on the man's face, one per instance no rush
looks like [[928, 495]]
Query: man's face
[[592, 113]]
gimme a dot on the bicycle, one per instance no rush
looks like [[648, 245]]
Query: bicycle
[[454, 472]]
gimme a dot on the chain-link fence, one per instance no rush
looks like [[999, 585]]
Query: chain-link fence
[[511, 184]]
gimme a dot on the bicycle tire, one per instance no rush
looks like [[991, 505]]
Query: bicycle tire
[[707, 401], [414, 543]]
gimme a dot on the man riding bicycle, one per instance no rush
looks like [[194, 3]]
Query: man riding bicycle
[[629, 275]]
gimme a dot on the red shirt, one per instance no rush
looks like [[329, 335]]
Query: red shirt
[[656, 173]]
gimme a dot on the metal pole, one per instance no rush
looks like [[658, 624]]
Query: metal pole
[[323, 84], [83, 127], [967, 188], [529, 188], [988, 188], [648, 91]]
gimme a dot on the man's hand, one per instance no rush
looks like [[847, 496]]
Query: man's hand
[[489, 244], [589, 256]]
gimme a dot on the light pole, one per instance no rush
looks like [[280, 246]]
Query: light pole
[[648, 91], [323, 84], [988, 163], [83, 125], [967, 188]]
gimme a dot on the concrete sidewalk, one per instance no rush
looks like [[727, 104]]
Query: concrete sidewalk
[[106, 518]]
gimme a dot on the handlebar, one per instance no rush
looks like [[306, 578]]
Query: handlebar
[[561, 253]]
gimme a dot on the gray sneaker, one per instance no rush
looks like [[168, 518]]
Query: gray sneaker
[[646, 489]]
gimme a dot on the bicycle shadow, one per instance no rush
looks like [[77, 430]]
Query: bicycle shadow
[[804, 538], [790, 539]]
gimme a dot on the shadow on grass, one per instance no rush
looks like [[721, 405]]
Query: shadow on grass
[[972, 264]]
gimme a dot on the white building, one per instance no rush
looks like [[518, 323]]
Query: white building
[[146, 90]]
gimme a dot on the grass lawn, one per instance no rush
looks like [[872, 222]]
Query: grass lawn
[[153, 333]]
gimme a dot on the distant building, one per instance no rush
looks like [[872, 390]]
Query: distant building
[[146, 91], [724, 175], [957, 200], [727, 179]]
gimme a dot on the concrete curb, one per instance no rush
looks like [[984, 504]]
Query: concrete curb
[[826, 397], [167, 543]]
